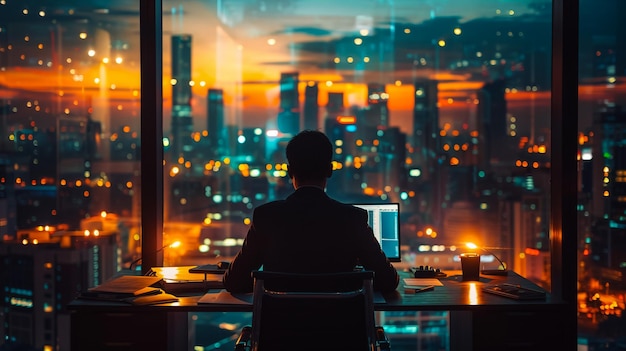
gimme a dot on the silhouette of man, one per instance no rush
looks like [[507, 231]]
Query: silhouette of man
[[309, 232]]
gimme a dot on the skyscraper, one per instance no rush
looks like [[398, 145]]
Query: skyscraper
[[426, 126], [426, 140], [215, 122], [609, 188], [492, 126], [335, 105], [40, 273], [311, 108], [289, 113], [377, 113], [182, 123]]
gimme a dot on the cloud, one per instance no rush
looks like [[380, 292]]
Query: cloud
[[312, 31]]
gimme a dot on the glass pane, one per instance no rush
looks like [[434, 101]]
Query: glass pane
[[601, 177], [69, 155], [441, 106]]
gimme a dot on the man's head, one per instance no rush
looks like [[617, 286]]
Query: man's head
[[309, 155]]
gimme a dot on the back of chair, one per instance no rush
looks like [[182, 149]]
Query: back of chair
[[313, 312]]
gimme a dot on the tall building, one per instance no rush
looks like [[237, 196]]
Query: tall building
[[335, 106], [8, 211], [40, 273], [492, 124], [377, 112], [182, 123], [425, 126], [251, 146], [426, 151], [311, 107], [215, 122], [288, 119], [392, 150], [609, 180], [340, 128]]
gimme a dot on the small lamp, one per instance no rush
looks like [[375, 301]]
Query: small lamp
[[498, 271]]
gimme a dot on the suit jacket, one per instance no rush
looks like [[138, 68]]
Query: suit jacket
[[309, 233]]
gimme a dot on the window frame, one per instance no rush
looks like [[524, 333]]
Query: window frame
[[563, 192], [151, 68]]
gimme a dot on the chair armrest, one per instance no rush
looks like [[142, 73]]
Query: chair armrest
[[382, 342], [243, 342]]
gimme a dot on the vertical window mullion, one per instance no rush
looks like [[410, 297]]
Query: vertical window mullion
[[151, 38]]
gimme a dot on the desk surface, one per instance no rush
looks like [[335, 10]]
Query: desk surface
[[454, 295]]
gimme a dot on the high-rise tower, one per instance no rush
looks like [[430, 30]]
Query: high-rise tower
[[182, 123], [335, 105], [426, 152], [426, 126], [492, 122], [289, 112], [377, 113], [311, 108], [215, 122]]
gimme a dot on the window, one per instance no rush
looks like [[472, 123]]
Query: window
[[442, 107], [601, 210]]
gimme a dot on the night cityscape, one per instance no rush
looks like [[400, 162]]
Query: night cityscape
[[443, 108]]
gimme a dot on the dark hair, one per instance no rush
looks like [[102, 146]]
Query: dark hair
[[309, 155]]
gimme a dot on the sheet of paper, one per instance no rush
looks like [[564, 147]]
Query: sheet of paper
[[225, 298], [417, 282]]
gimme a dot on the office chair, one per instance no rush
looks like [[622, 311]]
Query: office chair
[[313, 312]]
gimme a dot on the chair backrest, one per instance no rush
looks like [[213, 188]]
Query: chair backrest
[[313, 311]]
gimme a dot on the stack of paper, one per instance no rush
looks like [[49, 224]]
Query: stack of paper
[[416, 283]]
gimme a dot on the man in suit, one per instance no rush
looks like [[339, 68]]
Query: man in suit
[[309, 232]]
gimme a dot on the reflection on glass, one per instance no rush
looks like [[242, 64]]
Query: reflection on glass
[[69, 158], [444, 109], [601, 193]]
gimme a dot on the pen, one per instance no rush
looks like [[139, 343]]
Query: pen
[[421, 289]]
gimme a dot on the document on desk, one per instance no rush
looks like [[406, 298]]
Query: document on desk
[[131, 289], [412, 283], [128, 285], [223, 297]]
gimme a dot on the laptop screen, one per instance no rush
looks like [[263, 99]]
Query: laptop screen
[[384, 219]]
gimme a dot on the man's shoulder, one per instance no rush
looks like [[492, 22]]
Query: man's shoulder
[[330, 205], [348, 209], [271, 206]]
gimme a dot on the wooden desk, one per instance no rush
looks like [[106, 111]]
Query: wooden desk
[[478, 321]]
